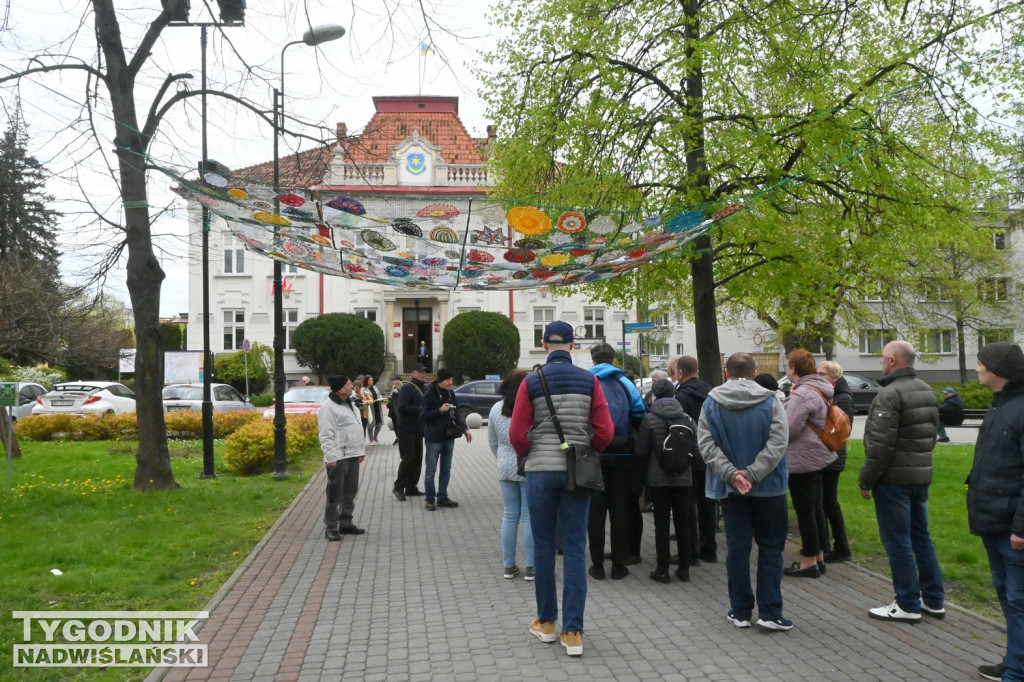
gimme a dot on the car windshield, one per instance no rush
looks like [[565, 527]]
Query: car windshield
[[306, 395], [76, 388], [183, 393]]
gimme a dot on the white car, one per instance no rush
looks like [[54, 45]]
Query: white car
[[301, 400], [189, 397], [27, 394], [86, 397]]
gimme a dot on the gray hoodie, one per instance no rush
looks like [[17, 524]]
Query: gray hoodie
[[736, 436]]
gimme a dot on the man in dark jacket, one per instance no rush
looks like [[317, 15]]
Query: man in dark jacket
[[691, 392], [899, 437], [951, 412], [995, 495], [410, 440], [438, 413]]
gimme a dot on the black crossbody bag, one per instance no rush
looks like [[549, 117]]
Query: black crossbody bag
[[583, 463]]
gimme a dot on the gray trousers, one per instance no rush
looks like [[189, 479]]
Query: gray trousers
[[342, 486]]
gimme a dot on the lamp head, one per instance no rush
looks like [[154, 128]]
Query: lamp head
[[323, 34]]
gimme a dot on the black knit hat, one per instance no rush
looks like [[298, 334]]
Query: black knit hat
[[337, 382], [443, 374], [1003, 359]]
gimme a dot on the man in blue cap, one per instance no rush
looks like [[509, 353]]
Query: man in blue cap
[[951, 412]]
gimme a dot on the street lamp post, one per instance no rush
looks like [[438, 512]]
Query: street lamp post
[[312, 37], [232, 13]]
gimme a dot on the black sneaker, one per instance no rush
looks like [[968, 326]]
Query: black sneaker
[[332, 535], [430, 506], [447, 502], [708, 556], [619, 572], [596, 572], [683, 574], [660, 577], [991, 671], [399, 495]]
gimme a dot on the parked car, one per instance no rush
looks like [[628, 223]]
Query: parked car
[[476, 396], [189, 397], [86, 397], [301, 400], [862, 389], [27, 394]]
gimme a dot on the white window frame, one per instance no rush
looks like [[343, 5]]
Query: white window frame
[[987, 336], [541, 317], [937, 341], [879, 337], [291, 322], [593, 322], [368, 313], [233, 320], [234, 258], [994, 289]]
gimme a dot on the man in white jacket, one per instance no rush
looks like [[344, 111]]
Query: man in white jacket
[[341, 439]]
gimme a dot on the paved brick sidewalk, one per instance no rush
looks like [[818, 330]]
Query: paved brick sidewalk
[[421, 597]]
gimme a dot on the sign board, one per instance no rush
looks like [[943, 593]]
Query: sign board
[[183, 367], [628, 344], [8, 394], [246, 346], [126, 361], [633, 327], [492, 377]]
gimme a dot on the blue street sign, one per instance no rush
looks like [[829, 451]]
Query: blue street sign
[[632, 327], [246, 346]]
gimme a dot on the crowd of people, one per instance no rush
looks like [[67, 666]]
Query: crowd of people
[[748, 450]]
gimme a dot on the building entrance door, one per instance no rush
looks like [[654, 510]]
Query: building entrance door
[[416, 329]]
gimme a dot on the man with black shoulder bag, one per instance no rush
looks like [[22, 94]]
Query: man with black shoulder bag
[[560, 409]]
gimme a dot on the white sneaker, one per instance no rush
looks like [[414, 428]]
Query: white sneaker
[[937, 614], [893, 612], [738, 622]]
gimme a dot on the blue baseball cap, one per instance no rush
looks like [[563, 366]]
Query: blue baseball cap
[[948, 390], [558, 332]]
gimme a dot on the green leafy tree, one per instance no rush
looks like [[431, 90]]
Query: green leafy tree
[[230, 368], [173, 335], [633, 364], [339, 343], [837, 130], [478, 343]]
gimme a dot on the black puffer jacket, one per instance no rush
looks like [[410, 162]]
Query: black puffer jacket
[[899, 435], [433, 418], [994, 500], [653, 431], [844, 399]]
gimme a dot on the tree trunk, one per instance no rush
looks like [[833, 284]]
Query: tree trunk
[[6, 426], [153, 460], [960, 352], [702, 267]]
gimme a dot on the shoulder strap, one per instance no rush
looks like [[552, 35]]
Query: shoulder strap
[[828, 404], [551, 409]]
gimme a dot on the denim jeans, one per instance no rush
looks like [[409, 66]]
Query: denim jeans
[[1007, 566], [764, 520], [513, 496], [550, 503], [902, 512], [435, 451]]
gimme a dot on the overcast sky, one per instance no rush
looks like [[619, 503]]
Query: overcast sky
[[323, 86]]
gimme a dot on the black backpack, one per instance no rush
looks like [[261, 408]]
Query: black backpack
[[679, 448]]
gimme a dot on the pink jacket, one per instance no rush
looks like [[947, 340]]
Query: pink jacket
[[806, 452]]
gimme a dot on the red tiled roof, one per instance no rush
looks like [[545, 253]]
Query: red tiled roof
[[301, 169], [435, 118]]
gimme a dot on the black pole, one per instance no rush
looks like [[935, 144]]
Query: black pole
[[207, 407], [280, 428]]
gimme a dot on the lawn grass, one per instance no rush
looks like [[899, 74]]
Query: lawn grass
[[72, 508], [961, 555]]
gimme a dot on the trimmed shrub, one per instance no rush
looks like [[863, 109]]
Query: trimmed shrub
[[339, 343], [123, 426], [478, 343], [226, 423], [250, 450], [43, 427], [229, 368], [633, 364], [974, 395], [185, 424]]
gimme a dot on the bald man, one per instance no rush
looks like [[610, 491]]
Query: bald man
[[899, 437]]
